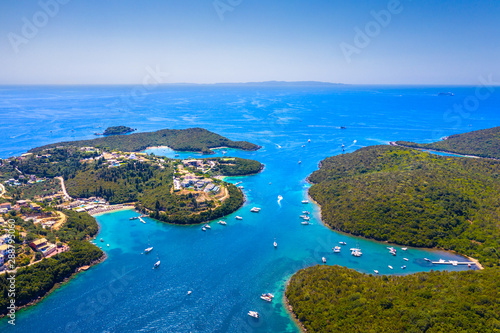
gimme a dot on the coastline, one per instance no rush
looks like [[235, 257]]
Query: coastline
[[112, 209], [289, 310], [394, 144], [60, 284]]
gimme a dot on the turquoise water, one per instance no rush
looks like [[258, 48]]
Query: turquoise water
[[227, 267]]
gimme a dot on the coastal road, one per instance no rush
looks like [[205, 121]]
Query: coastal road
[[2, 190], [66, 195]]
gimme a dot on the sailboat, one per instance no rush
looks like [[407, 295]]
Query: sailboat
[[149, 248]]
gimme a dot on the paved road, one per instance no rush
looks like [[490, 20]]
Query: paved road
[[66, 195]]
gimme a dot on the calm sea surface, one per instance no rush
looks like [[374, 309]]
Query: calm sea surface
[[227, 267]]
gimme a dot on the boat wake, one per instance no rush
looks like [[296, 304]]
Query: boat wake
[[279, 200]]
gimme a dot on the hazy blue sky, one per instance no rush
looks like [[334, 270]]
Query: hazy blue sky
[[120, 41]]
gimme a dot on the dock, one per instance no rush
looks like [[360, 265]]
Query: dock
[[453, 262], [140, 218]]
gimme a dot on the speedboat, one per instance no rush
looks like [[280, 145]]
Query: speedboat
[[107, 245], [305, 212], [376, 272], [203, 229], [309, 140], [275, 244], [324, 260], [255, 210], [427, 259], [390, 267], [222, 222], [304, 222], [207, 226], [303, 146], [305, 201], [336, 249], [305, 217], [342, 243], [300, 162], [357, 253], [266, 298], [403, 267], [239, 218], [189, 292], [405, 259], [240, 187], [404, 248], [149, 249], [254, 314], [268, 295], [157, 264]]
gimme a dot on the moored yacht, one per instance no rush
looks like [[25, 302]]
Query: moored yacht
[[342, 243], [149, 249], [390, 267], [305, 201], [324, 260], [266, 298], [239, 218], [255, 210], [253, 314], [275, 244], [336, 249], [305, 222], [222, 222], [207, 226]]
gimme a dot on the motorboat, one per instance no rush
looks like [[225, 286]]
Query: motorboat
[[253, 314], [239, 218], [405, 259], [427, 259], [403, 267], [189, 292], [342, 243], [102, 240], [149, 249], [404, 248], [266, 298], [207, 226], [157, 264], [305, 212], [203, 229], [305, 201], [390, 267], [107, 245], [300, 162], [376, 272], [255, 210], [324, 260], [275, 244], [222, 222], [304, 222], [336, 249]]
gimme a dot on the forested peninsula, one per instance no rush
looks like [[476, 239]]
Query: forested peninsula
[[191, 139], [407, 197], [482, 143]]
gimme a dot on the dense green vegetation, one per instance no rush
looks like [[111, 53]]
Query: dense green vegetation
[[36, 280], [117, 130], [338, 299], [78, 226], [236, 167], [191, 139], [413, 198], [178, 214], [483, 143]]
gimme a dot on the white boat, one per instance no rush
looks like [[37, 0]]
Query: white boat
[[305, 201], [255, 210], [390, 267], [300, 162], [157, 264], [357, 253], [376, 272], [305, 212], [342, 243], [207, 226], [427, 259], [268, 295], [203, 229], [304, 222], [275, 244], [149, 249], [324, 260], [240, 187], [309, 140], [266, 298], [405, 259], [189, 292], [222, 222], [336, 249], [107, 245], [254, 314], [305, 217], [404, 248], [239, 218], [102, 240], [303, 146], [403, 267]]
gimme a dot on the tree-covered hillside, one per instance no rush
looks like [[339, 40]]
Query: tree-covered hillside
[[191, 139], [413, 198], [338, 299], [482, 143]]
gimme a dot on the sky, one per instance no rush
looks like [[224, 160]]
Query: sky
[[445, 42]]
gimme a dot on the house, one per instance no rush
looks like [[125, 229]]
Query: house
[[4, 251], [4, 239], [37, 244], [4, 210], [23, 203], [6, 205], [35, 206]]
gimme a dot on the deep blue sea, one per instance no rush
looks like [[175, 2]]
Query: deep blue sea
[[227, 267]]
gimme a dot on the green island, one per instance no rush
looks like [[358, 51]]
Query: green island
[[482, 143], [48, 196], [191, 139], [118, 130], [407, 197]]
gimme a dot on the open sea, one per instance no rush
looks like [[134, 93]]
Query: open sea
[[228, 267]]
